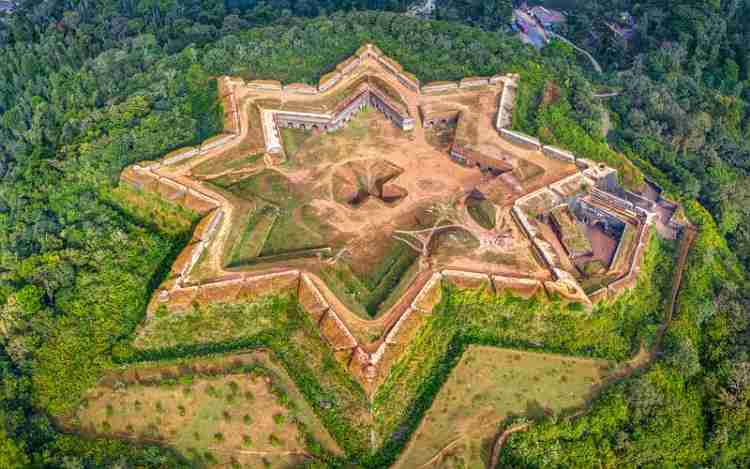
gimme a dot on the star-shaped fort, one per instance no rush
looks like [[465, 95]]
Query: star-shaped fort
[[364, 195]]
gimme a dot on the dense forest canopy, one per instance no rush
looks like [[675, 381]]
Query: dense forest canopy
[[91, 86]]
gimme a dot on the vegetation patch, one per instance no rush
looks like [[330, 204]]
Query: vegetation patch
[[489, 385], [215, 322], [254, 236], [482, 211], [151, 209], [293, 139], [213, 412], [613, 331]]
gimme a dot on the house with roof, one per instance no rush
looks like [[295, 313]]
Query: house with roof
[[547, 18], [529, 29], [7, 6]]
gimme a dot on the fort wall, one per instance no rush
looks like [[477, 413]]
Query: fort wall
[[507, 101], [437, 86], [520, 139], [266, 85], [558, 154], [473, 82]]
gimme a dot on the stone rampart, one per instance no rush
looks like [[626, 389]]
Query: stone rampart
[[437, 86], [311, 299], [328, 81], [532, 235], [524, 287], [430, 295], [266, 85], [335, 331], [205, 147], [235, 114], [473, 82], [467, 280], [558, 154], [506, 104], [349, 65], [392, 336], [300, 88], [181, 156], [521, 139]]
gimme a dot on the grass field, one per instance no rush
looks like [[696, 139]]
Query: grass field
[[293, 226], [298, 228], [246, 411], [331, 147], [215, 322], [254, 236], [489, 385]]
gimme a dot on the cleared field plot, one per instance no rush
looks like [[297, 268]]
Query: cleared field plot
[[489, 385], [241, 410]]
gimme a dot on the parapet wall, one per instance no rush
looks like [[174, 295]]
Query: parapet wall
[[558, 154], [368, 51], [507, 101], [437, 86], [521, 139]]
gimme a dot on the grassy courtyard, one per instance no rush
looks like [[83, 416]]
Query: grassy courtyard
[[489, 385]]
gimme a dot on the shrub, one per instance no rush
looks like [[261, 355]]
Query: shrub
[[274, 440]]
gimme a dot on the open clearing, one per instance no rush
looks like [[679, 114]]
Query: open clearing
[[486, 387], [242, 409]]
